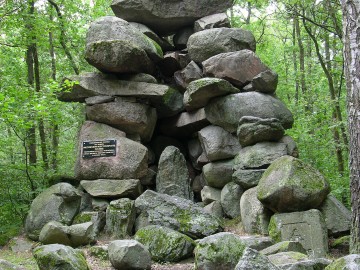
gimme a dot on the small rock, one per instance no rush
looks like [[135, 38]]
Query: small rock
[[252, 259], [284, 246], [214, 209], [230, 199], [210, 194], [164, 244], [212, 21], [252, 130], [120, 218], [55, 256], [265, 82], [254, 216], [190, 73], [218, 174], [106, 188], [129, 255], [173, 176], [247, 178], [218, 144], [199, 92]]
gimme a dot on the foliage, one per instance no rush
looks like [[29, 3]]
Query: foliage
[[23, 106]]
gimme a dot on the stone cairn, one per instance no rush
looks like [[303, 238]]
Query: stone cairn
[[180, 134]]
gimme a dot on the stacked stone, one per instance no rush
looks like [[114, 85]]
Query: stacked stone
[[196, 123]]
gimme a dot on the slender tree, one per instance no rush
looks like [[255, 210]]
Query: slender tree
[[351, 35]]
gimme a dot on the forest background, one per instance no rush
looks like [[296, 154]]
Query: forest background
[[41, 42]]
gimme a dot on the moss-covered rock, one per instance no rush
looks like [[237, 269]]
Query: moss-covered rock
[[55, 257], [218, 251], [349, 262], [176, 213], [252, 259], [284, 246], [290, 185], [307, 227], [60, 202], [164, 244], [199, 92]]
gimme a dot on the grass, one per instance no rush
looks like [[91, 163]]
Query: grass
[[22, 259]]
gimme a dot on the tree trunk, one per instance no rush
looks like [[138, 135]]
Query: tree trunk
[[30, 51], [295, 62], [337, 112], [351, 35], [54, 122]]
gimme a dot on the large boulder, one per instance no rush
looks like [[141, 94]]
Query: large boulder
[[207, 43], [199, 92], [129, 255], [349, 262], [217, 20], [218, 174], [55, 256], [226, 111], [290, 185], [336, 215], [165, 99], [307, 227], [113, 45], [126, 115], [219, 251], [60, 202], [164, 244], [218, 144], [254, 216], [173, 176], [176, 213], [238, 67], [252, 130], [120, 218], [129, 162], [252, 259], [259, 156], [111, 188], [166, 17]]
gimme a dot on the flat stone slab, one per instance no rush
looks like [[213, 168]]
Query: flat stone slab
[[212, 21], [166, 17], [199, 92], [165, 99], [106, 188]]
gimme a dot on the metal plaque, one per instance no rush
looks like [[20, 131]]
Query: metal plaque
[[97, 149]]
